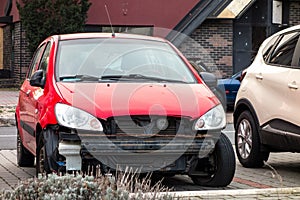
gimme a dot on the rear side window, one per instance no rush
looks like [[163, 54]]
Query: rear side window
[[284, 50], [267, 50]]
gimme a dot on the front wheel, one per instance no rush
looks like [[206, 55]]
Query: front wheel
[[42, 166], [248, 146], [218, 169]]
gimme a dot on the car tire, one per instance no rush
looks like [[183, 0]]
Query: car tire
[[24, 157], [42, 166], [248, 146], [224, 165]]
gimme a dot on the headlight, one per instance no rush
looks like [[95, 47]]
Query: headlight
[[213, 119], [72, 117]]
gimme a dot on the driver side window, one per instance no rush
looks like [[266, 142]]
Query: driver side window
[[45, 59], [35, 61]]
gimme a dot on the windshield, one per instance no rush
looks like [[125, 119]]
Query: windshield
[[120, 59]]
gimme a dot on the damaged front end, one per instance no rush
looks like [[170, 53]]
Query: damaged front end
[[146, 143]]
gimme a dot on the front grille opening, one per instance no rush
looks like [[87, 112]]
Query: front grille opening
[[146, 126]]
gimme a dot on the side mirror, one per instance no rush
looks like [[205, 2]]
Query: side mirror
[[37, 79], [210, 79]]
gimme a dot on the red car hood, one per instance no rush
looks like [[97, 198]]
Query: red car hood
[[120, 99]]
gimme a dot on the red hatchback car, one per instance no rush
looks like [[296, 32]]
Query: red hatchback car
[[117, 101]]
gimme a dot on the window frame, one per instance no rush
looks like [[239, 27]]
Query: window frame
[[272, 51]]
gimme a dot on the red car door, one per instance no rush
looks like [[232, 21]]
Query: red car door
[[27, 102]]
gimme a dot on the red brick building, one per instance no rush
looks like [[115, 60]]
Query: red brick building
[[223, 34]]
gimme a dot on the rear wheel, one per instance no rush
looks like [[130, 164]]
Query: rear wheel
[[24, 157], [248, 146], [218, 169]]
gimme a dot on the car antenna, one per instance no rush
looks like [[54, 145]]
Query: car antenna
[[112, 30]]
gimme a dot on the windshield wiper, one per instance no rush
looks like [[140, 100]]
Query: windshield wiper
[[81, 77], [138, 77]]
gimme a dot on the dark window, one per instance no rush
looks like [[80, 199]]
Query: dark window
[[258, 36], [267, 50], [35, 61], [147, 30], [45, 58], [284, 51]]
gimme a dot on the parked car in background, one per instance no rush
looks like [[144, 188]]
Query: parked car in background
[[231, 86], [117, 101], [266, 114], [212, 82]]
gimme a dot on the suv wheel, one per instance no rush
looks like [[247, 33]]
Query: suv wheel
[[248, 147], [24, 157], [220, 167]]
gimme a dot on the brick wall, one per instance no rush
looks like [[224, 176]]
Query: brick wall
[[211, 43], [21, 55], [294, 13], [1, 48], [16, 57], [7, 48]]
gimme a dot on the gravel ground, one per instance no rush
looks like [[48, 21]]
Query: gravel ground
[[7, 115]]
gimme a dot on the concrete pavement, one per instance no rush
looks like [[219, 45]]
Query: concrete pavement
[[8, 98]]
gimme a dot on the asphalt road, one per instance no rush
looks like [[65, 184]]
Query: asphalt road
[[8, 139]]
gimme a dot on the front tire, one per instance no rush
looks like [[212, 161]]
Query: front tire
[[24, 157], [42, 166], [221, 165], [248, 146]]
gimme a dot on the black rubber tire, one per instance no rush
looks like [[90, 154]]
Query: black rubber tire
[[224, 169], [42, 166], [256, 157], [24, 157]]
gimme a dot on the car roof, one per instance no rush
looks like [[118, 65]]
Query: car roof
[[107, 35]]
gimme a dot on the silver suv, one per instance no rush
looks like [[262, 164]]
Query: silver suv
[[267, 107]]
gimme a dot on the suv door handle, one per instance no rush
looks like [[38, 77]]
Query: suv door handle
[[259, 76], [293, 85]]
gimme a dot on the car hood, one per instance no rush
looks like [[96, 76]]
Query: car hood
[[105, 100]]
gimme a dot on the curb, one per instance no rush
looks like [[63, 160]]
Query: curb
[[274, 193], [4, 121], [241, 194]]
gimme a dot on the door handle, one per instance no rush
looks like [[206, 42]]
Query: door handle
[[293, 85], [259, 76], [28, 92]]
